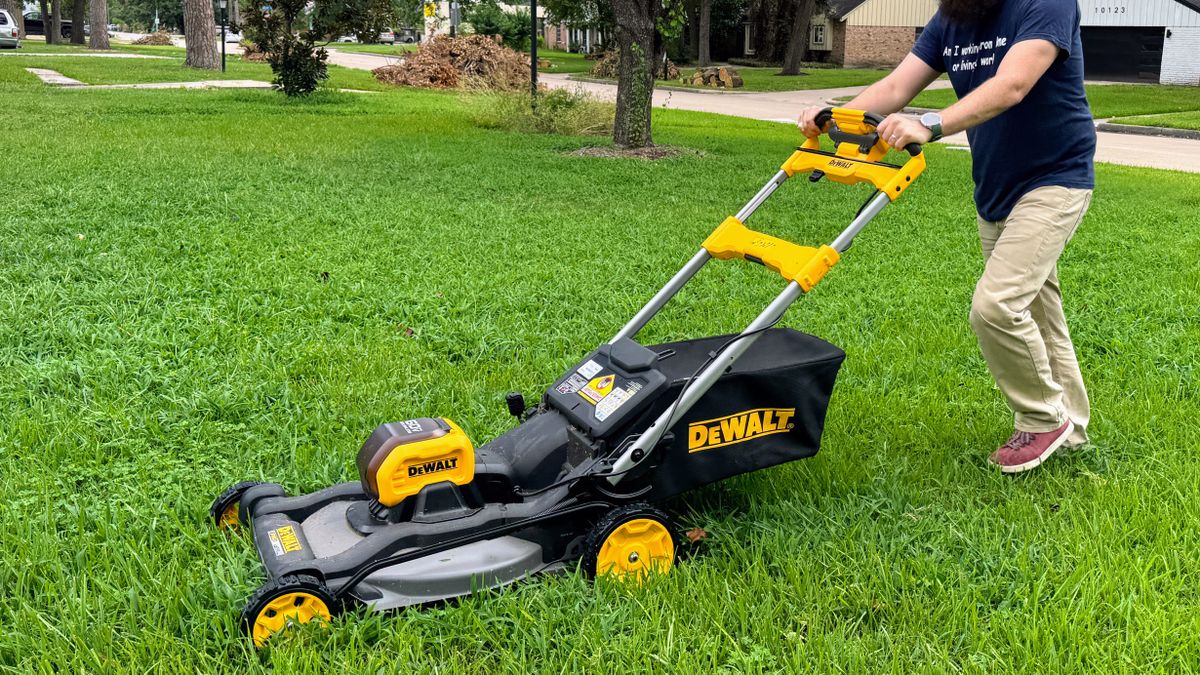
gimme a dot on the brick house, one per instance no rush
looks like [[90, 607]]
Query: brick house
[[868, 32]]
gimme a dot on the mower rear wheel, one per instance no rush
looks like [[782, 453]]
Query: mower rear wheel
[[631, 543], [224, 509], [284, 602]]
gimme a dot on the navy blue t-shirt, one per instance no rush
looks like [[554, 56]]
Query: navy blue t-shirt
[[1048, 138]]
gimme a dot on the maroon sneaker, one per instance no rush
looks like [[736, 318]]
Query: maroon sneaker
[[1025, 450]]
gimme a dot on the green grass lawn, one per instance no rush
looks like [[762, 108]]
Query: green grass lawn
[[564, 62], [202, 287], [136, 71], [1183, 120], [1107, 100], [385, 50]]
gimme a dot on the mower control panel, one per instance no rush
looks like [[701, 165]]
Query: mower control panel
[[609, 387]]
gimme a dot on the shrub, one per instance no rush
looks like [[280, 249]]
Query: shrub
[[298, 64], [558, 111], [487, 18]]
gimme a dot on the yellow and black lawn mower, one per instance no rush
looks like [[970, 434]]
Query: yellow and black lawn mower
[[433, 517]]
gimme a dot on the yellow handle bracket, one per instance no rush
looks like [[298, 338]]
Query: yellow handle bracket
[[804, 265]]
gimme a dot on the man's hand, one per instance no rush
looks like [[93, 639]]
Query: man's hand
[[807, 121], [900, 130]]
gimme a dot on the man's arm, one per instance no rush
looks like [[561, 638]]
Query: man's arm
[[1019, 71], [884, 97]]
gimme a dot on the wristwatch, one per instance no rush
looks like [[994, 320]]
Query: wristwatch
[[933, 122]]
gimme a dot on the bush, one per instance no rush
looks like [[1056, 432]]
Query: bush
[[488, 19], [251, 52], [448, 63], [558, 111], [298, 64]]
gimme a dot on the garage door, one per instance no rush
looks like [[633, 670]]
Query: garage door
[[1127, 54]]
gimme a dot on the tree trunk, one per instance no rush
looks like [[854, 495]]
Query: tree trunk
[[235, 14], [54, 29], [200, 28], [798, 38], [705, 56], [77, 21], [99, 21], [635, 21]]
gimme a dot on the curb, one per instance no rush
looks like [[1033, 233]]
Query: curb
[[1136, 130]]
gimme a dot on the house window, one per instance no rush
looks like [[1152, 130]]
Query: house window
[[818, 34]]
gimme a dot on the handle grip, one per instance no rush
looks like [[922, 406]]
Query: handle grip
[[865, 141]]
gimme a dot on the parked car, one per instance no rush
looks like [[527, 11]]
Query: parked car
[[347, 38], [387, 37], [10, 34], [230, 35], [35, 26], [408, 36]]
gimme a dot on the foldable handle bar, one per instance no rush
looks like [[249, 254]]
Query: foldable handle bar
[[802, 266]]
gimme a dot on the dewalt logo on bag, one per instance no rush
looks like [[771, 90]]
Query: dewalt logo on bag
[[739, 427]]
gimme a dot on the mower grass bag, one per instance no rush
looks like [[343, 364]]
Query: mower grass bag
[[576, 483]]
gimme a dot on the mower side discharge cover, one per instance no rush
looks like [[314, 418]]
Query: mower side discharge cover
[[767, 410]]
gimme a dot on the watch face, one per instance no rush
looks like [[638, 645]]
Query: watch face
[[930, 119]]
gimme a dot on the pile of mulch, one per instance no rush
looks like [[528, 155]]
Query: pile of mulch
[[252, 52], [159, 39], [606, 67], [467, 61]]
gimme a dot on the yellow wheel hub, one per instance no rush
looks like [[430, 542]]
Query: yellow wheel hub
[[229, 517], [286, 610], [636, 548]]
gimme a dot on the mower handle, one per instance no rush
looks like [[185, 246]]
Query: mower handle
[[864, 141]]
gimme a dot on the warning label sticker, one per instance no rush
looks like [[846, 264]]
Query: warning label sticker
[[598, 388], [589, 369], [616, 399], [284, 540], [572, 384]]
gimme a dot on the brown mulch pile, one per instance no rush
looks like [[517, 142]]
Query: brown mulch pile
[[450, 63], [252, 52], [650, 152], [159, 39], [606, 67]]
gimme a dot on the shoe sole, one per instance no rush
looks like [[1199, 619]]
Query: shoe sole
[[1037, 461]]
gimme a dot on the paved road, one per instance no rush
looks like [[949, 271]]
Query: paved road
[[1146, 151]]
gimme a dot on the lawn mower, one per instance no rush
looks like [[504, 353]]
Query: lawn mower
[[578, 480]]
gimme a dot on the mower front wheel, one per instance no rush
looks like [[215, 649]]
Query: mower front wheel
[[631, 543], [224, 509], [284, 602]]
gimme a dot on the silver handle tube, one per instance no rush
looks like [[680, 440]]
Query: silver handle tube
[[660, 299], [752, 205], [703, 381], [866, 216]]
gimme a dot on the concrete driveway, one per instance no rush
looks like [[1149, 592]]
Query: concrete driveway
[[1145, 151]]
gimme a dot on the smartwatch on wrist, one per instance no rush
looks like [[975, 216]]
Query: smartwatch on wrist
[[933, 122]]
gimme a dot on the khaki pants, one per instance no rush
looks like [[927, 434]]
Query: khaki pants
[[1017, 311]]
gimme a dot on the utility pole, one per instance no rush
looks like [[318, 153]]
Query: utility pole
[[533, 59]]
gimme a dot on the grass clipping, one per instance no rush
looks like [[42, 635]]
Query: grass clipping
[[558, 111], [474, 61], [159, 39]]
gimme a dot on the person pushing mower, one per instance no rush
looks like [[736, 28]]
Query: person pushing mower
[[1017, 67]]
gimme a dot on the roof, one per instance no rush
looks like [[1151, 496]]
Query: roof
[[838, 9], [1193, 5]]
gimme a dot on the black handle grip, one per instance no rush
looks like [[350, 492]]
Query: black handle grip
[[825, 116]]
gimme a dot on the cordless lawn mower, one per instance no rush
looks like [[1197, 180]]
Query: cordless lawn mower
[[576, 482]]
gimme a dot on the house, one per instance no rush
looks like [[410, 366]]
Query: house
[[1142, 40], [868, 32]]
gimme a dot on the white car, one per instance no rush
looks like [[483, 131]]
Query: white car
[[347, 38], [230, 36], [10, 34], [387, 37]]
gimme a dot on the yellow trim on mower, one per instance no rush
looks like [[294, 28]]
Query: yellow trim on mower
[[804, 265]]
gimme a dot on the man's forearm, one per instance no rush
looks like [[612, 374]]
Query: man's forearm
[[883, 98]]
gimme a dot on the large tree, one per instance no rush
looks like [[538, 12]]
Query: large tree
[[53, 30], [98, 9], [637, 49], [704, 34], [77, 21], [199, 27], [797, 43]]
